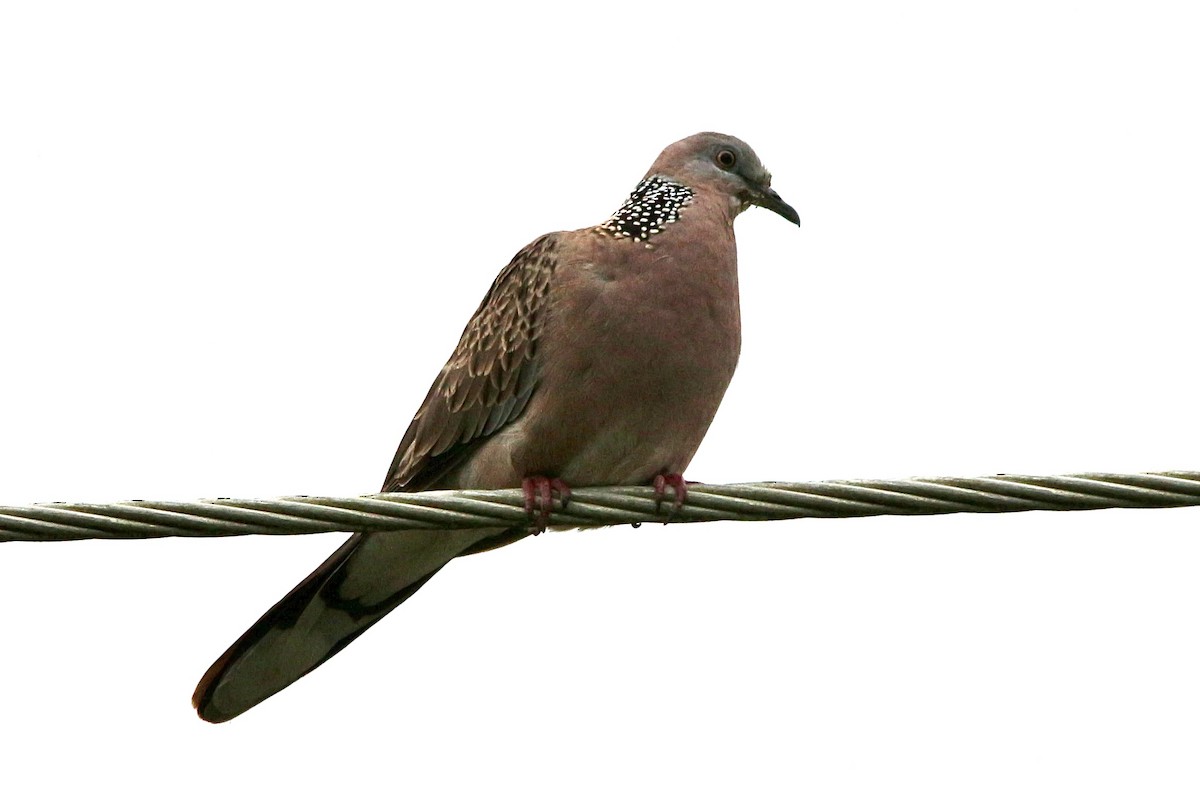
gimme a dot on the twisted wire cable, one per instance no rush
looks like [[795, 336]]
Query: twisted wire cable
[[456, 510]]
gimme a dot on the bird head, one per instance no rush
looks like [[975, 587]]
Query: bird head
[[724, 164]]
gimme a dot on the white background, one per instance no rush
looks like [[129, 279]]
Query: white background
[[238, 241]]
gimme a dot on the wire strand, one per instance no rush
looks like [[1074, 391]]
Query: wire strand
[[456, 510]]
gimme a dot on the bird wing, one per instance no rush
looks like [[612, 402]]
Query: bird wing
[[489, 378]]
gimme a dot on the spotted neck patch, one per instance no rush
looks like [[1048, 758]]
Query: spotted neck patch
[[653, 205]]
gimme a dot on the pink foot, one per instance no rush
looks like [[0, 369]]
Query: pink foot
[[677, 483], [539, 491]]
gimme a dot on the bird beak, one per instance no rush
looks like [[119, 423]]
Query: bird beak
[[770, 199]]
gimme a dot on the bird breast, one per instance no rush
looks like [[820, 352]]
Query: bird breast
[[637, 358]]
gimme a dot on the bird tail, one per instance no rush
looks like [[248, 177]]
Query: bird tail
[[364, 579]]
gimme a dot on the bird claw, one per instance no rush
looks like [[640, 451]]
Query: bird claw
[[539, 491], [678, 486]]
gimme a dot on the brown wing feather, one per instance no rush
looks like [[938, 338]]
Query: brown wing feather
[[489, 378]]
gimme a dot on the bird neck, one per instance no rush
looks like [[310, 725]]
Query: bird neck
[[651, 206]]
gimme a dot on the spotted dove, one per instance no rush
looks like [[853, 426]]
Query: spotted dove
[[598, 357]]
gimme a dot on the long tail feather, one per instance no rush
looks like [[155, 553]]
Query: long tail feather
[[362, 581]]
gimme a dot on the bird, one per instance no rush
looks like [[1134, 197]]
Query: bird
[[597, 357]]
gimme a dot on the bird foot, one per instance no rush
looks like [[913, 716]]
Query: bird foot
[[539, 491], [678, 486]]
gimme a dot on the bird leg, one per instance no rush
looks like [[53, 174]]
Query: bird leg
[[677, 484], [540, 490]]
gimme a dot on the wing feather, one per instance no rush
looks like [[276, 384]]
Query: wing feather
[[489, 378]]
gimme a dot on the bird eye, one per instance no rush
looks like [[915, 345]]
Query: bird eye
[[726, 159]]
